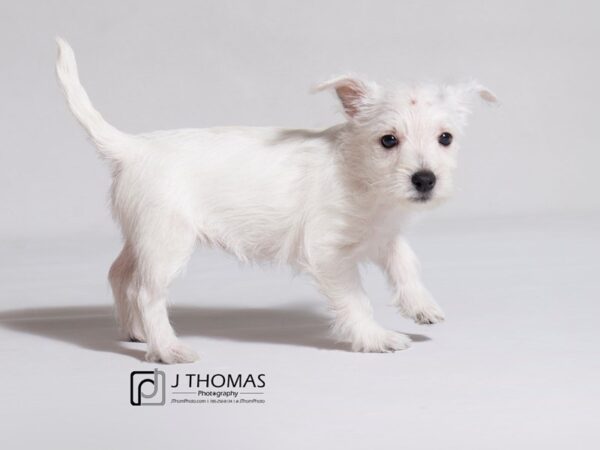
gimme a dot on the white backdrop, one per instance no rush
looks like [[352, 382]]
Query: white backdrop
[[512, 259], [150, 65]]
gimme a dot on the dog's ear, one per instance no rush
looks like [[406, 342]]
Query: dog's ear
[[461, 96], [465, 93], [356, 95]]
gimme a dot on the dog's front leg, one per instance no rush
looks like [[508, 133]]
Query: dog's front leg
[[413, 300], [340, 281]]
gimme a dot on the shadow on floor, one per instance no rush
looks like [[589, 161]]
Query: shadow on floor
[[94, 327]]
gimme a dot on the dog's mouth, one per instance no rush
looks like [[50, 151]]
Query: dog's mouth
[[421, 198]]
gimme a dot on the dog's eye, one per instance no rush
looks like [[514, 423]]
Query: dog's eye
[[445, 139], [389, 141]]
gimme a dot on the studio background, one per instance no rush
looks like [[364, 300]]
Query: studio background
[[511, 258], [153, 65]]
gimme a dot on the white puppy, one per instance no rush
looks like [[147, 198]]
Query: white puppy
[[322, 201]]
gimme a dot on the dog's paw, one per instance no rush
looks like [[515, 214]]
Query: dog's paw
[[135, 336], [425, 314], [420, 307], [130, 336], [376, 339], [429, 315], [132, 332], [176, 353]]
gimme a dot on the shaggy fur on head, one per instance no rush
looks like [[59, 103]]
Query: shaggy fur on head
[[322, 201]]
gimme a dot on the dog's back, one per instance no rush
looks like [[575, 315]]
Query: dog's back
[[249, 190]]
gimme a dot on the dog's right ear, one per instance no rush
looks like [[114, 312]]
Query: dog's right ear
[[356, 95]]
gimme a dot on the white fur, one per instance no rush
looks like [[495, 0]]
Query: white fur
[[322, 201]]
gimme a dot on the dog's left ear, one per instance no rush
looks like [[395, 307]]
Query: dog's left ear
[[357, 96], [465, 93], [461, 96]]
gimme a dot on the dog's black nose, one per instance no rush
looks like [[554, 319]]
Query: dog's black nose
[[423, 180]]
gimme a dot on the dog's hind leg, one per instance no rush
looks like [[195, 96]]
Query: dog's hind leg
[[126, 308], [162, 247]]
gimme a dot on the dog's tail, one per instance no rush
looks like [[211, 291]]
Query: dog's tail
[[107, 138]]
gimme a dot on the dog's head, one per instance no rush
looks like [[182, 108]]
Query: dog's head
[[401, 143]]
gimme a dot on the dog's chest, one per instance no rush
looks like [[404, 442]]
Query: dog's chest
[[382, 228]]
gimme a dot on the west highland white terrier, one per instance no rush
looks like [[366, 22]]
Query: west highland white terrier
[[322, 201]]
